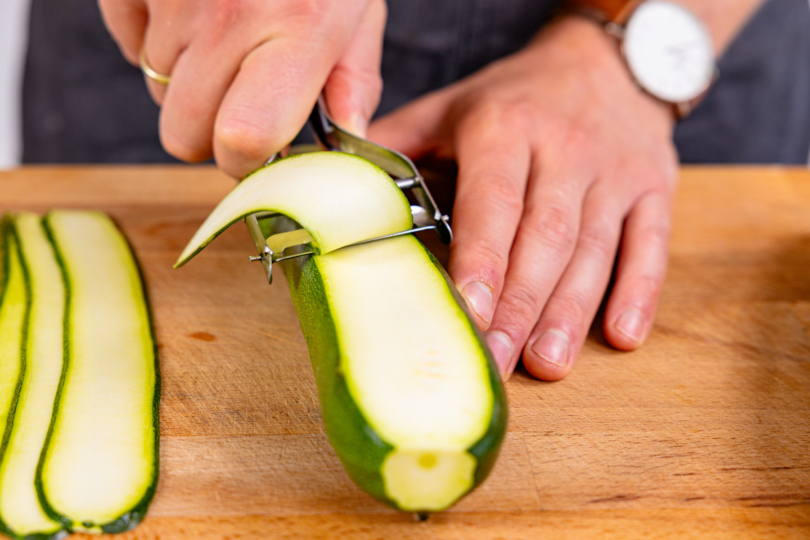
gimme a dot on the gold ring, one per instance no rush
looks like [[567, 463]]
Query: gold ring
[[151, 73]]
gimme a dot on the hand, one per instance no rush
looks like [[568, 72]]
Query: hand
[[562, 161], [245, 75]]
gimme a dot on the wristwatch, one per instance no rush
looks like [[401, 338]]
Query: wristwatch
[[668, 50]]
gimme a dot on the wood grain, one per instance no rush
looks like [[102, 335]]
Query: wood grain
[[703, 433]]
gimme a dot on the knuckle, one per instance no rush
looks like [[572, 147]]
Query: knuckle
[[307, 9], [499, 191], [659, 169], [569, 307], [645, 289], [492, 114], [597, 240], [243, 136], [226, 12], [493, 252], [516, 113], [182, 147], [575, 141], [521, 305], [656, 236], [311, 15], [659, 174], [552, 225]]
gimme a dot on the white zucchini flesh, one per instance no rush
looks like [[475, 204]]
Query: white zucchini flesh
[[20, 508], [100, 463], [405, 351], [406, 346], [312, 187]]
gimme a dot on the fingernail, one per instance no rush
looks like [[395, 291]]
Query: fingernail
[[631, 324], [552, 346], [501, 346], [479, 298], [357, 125]]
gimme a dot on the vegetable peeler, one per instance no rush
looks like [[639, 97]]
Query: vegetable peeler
[[292, 242]]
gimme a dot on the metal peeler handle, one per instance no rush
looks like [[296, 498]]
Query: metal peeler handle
[[332, 137]]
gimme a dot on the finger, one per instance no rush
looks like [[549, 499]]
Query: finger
[[492, 178], [640, 272], [353, 89], [200, 77], [267, 103], [199, 80], [126, 21], [543, 247], [163, 40], [566, 318], [414, 129]]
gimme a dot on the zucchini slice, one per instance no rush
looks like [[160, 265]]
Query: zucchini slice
[[20, 509], [98, 470], [411, 399], [14, 307], [312, 186]]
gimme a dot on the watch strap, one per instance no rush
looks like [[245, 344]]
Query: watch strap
[[683, 109], [607, 11]]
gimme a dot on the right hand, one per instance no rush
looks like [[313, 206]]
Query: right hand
[[245, 74]]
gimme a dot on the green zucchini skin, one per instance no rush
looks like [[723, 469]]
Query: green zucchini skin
[[359, 447], [11, 256], [10, 253], [132, 516], [35, 403]]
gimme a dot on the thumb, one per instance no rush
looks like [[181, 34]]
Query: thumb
[[353, 89]]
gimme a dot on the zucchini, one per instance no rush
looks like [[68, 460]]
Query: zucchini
[[371, 204], [411, 399], [14, 307], [98, 470], [21, 513]]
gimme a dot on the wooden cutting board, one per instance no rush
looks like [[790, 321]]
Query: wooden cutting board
[[703, 433]]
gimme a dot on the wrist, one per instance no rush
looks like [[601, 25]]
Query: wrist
[[597, 55], [666, 47]]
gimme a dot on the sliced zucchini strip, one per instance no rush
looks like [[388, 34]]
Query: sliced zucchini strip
[[20, 508], [311, 187], [99, 468], [14, 306]]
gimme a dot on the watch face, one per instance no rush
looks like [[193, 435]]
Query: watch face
[[669, 51]]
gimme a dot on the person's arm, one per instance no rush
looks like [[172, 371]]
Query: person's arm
[[723, 18], [244, 76], [566, 171]]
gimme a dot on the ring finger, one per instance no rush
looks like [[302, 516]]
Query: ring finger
[[543, 246], [567, 316], [163, 40]]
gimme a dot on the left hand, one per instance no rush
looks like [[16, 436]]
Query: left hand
[[564, 165]]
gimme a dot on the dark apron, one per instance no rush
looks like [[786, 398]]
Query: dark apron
[[82, 102]]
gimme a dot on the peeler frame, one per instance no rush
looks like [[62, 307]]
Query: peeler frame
[[330, 136]]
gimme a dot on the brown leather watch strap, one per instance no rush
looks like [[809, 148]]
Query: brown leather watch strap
[[614, 11]]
